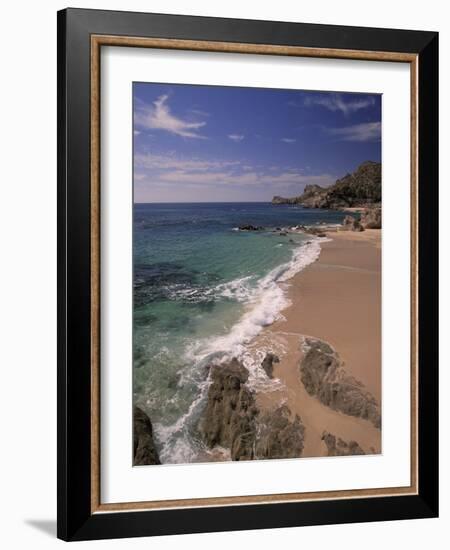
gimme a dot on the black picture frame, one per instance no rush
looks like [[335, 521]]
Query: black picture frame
[[75, 518]]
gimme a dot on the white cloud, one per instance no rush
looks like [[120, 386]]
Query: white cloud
[[172, 162], [159, 116], [152, 169], [367, 131], [236, 137], [288, 140], [338, 102]]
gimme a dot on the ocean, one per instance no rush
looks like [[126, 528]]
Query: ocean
[[202, 291]]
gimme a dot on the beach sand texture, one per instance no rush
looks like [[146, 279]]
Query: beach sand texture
[[336, 299]]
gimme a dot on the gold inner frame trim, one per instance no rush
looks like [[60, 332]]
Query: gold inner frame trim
[[97, 41]]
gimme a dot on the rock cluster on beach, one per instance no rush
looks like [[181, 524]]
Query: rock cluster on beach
[[351, 224], [232, 420], [339, 447], [371, 218], [279, 436], [324, 376], [145, 452], [361, 188]]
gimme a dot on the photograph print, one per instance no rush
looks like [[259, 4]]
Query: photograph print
[[256, 274]]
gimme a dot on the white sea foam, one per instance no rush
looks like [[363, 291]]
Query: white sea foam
[[238, 289], [265, 303]]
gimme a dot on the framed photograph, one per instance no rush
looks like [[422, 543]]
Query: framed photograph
[[247, 274]]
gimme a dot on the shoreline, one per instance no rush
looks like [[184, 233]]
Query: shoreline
[[336, 299]]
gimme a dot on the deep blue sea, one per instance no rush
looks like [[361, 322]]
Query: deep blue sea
[[202, 291]]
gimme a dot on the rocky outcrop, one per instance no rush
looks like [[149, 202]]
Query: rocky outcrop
[[314, 196], [283, 200], [229, 417], [361, 188], [351, 224], [339, 447], [279, 436], [249, 227], [267, 363], [232, 420], [371, 218], [324, 376], [144, 447]]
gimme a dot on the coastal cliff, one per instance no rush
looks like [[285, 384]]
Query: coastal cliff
[[359, 189]]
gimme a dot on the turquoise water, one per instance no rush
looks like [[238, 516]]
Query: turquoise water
[[202, 291]]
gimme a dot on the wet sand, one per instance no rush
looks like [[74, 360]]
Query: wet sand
[[336, 299]]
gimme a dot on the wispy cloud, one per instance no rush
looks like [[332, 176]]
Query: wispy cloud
[[159, 116], [154, 169], [236, 137], [367, 131], [288, 140], [150, 161], [339, 102], [199, 112]]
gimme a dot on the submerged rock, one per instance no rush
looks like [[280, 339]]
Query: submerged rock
[[144, 447], [267, 363], [339, 447], [324, 377], [279, 436]]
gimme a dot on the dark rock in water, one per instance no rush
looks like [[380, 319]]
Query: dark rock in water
[[282, 233], [279, 436], [339, 447], [267, 363], [351, 224], [324, 377], [144, 447], [371, 218], [250, 227], [229, 417]]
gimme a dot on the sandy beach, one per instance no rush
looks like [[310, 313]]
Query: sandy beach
[[336, 299]]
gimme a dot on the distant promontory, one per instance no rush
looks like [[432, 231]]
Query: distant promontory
[[362, 188]]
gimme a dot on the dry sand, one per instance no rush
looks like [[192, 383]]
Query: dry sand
[[336, 299]]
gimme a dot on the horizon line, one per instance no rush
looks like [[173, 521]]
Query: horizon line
[[203, 202]]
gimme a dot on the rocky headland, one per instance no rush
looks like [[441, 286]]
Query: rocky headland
[[362, 188]]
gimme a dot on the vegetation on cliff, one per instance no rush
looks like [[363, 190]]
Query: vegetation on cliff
[[361, 188]]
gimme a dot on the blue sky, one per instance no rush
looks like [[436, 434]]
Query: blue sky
[[211, 143]]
